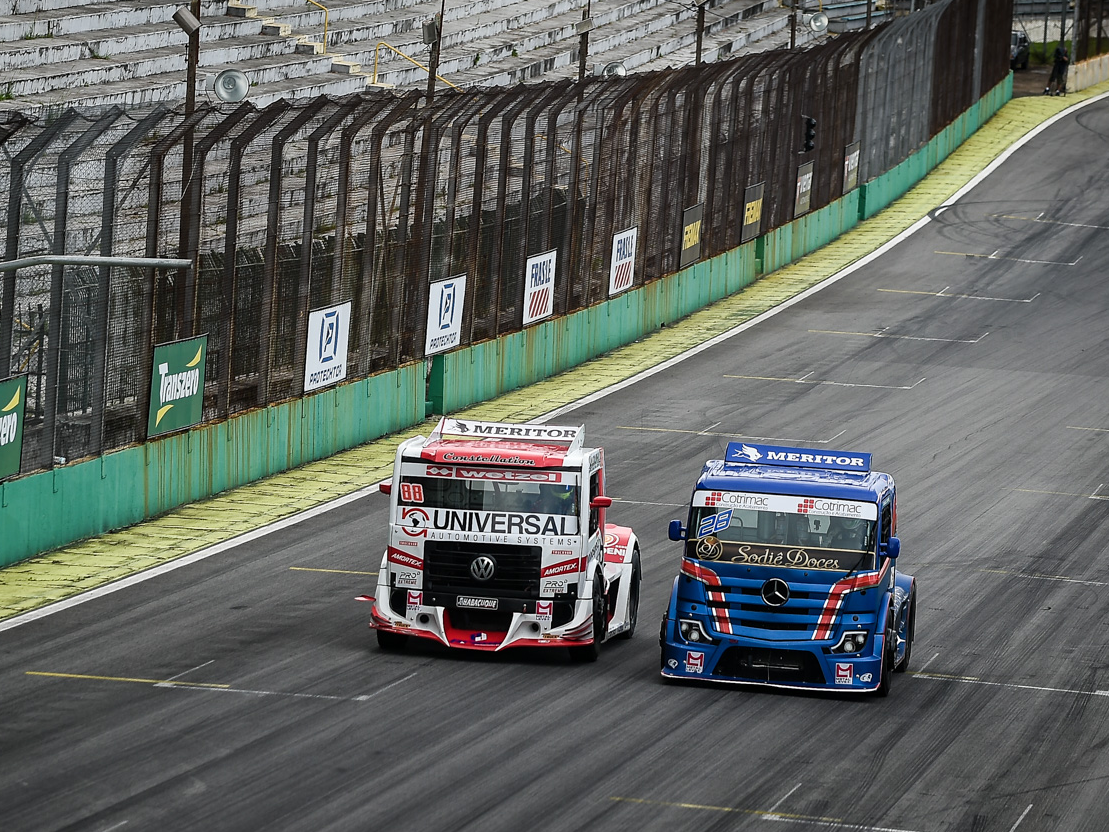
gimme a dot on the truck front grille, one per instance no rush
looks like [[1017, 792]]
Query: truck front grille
[[764, 664], [799, 615], [447, 569]]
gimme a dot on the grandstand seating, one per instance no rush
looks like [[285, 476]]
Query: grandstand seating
[[54, 53]]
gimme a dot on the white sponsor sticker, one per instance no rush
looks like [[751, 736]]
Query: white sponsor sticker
[[785, 504], [444, 314], [552, 587], [622, 269], [472, 603], [325, 359], [539, 286]]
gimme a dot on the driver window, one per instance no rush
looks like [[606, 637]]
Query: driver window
[[594, 513]]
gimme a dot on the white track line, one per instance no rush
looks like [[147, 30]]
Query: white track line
[[186, 560], [1023, 815]]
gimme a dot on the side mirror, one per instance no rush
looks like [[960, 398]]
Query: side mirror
[[386, 487], [892, 549], [677, 530], [600, 502]]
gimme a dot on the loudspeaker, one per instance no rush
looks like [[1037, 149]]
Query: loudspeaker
[[231, 85], [431, 30], [186, 20], [613, 69], [817, 22]]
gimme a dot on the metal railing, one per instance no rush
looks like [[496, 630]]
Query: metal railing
[[377, 51], [325, 20]]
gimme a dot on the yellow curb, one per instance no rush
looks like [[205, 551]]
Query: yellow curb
[[58, 574]]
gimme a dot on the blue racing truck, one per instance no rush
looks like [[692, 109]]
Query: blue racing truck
[[789, 574]]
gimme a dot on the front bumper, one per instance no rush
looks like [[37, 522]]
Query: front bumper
[[802, 665], [523, 629]]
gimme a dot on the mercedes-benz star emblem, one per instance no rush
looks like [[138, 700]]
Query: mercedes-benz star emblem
[[482, 568], [775, 592]]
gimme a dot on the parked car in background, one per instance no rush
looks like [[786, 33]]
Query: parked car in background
[[1018, 51]]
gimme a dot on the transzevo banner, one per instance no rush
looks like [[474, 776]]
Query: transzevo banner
[[177, 386], [13, 400]]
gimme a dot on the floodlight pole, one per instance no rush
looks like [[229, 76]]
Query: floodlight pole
[[700, 30], [793, 24], [436, 48], [187, 219], [583, 46]]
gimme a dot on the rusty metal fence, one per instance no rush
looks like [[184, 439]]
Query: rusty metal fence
[[370, 198]]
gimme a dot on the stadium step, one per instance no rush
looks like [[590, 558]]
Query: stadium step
[[61, 52]]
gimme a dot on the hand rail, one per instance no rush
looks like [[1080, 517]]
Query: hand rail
[[408, 58], [322, 6], [93, 260]]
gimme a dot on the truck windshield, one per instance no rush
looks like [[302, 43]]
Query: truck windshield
[[491, 495], [781, 538]]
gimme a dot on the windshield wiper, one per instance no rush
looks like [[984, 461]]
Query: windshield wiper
[[862, 557]]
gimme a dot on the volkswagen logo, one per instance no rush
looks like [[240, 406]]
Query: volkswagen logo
[[482, 568], [775, 592]]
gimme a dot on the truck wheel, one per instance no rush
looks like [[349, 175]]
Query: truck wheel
[[633, 596], [391, 642], [888, 658], [907, 632], [584, 653]]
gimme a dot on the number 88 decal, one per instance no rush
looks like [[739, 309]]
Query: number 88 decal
[[411, 492]]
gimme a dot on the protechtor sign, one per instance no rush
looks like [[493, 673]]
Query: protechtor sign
[[177, 386], [325, 359], [13, 398]]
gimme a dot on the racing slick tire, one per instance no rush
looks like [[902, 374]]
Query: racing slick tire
[[907, 631], [889, 655], [585, 653], [633, 596], [391, 642]]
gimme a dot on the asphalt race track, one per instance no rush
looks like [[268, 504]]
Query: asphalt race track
[[245, 692]]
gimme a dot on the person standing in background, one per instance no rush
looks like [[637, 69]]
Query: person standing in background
[[1058, 72]]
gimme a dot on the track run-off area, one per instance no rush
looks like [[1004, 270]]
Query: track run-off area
[[234, 684]]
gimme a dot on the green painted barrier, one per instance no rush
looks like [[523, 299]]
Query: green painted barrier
[[487, 369], [53, 508], [895, 183]]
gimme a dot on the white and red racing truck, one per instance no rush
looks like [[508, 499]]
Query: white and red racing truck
[[497, 538]]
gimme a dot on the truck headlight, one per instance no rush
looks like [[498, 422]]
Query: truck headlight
[[851, 642], [694, 632]]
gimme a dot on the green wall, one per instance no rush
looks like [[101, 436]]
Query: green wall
[[52, 508]]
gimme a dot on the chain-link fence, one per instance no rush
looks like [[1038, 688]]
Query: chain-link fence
[[370, 198]]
